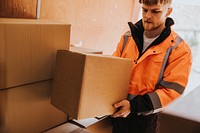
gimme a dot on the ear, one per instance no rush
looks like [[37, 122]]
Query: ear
[[169, 11]]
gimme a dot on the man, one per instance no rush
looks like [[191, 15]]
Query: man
[[153, 84]]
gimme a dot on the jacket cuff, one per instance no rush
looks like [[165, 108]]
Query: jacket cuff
[[141, 103]]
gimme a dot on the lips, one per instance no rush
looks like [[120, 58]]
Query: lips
[[148, 21]]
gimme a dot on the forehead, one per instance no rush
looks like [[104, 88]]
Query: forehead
[[153, 7]]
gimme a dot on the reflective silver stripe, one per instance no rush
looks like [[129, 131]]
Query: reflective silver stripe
[[163, 66], [155, 100], [131, 96], [128, 33], [156, 104], [126, 36], [175, 86], [178, 41]]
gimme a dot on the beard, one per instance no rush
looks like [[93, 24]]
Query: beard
[[150, 25]]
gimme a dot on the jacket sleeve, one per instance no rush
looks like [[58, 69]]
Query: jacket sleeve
[[141, 103], [172, 85], [121, 45], [119, 48]]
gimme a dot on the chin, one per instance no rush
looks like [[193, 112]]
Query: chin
[[148, 29]]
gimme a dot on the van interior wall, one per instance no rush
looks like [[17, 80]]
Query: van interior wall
[[94, 24]]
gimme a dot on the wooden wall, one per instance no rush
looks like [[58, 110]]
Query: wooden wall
[[18, 8], [96, 24]]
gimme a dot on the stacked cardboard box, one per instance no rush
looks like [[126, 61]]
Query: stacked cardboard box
[[27, 58], [27, 109], [87, 85], [183, 115], [28, 49]]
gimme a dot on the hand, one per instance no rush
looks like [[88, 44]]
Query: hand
[[124, 109]]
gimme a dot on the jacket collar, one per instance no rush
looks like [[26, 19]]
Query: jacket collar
[[137, 31]]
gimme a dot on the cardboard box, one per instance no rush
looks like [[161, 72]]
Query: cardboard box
[[183, 115], [67, 128], [96, 126], [87, 85], [27, 109], [28, 50], [102, 126]]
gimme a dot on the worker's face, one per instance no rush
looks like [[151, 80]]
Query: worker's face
[[154, 16]]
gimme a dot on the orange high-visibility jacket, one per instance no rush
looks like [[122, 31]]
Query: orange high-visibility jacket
[[147, 67]]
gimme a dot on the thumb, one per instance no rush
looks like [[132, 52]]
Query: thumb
[[117, 105]]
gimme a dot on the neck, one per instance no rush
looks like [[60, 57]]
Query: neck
[[155, 32]]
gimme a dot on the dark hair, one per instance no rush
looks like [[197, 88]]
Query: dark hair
[[154, 2]]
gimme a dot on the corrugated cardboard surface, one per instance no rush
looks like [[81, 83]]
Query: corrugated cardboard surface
[[74, 126], [183, 115], [103, 126], [27, 109], [100, 126], [87, 85], [28, 49], [64, 128]]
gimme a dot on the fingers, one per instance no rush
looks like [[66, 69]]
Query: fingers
[[121, 103], [117, 105], [124, 109]]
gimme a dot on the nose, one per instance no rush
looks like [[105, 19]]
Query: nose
[[148, 14]]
